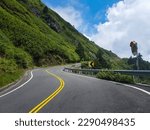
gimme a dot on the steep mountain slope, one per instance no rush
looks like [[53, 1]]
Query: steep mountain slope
[[31, 34]]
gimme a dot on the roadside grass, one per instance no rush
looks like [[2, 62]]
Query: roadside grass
[[142, 79], [7, 78], [115, 77]]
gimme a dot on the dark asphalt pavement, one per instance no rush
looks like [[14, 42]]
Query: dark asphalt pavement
[[81, 94]]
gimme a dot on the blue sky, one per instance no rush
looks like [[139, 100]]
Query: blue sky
[[111, 24], [92, 11]]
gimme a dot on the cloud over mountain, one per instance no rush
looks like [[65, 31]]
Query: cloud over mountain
[[70, 14], [127, 20]]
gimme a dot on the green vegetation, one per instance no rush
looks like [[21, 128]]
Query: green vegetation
[[31, 34], [107, 75], [143, 65], [9, 71], [9, 51], [143, 79], [105, 59], [7, 78], [85, 65], [12, 61]]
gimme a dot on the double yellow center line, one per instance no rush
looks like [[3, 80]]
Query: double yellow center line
[[50, 97]]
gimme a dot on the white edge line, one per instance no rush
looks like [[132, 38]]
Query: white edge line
[[142, 90], [17, 87], [130, 86]]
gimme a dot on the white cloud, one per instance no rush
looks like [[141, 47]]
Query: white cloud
[[87, 36], [70, 14], [127, 20]]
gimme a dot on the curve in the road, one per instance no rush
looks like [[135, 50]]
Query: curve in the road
[[126, 85], [142, 90], [50, 97]]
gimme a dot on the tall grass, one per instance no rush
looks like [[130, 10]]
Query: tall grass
[[7, 78]]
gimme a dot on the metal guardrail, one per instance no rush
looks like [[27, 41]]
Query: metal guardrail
[[95, 71]]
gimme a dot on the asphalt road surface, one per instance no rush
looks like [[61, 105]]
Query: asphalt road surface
[[51, 90]]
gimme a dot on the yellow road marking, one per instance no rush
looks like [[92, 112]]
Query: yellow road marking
[[50, 97]]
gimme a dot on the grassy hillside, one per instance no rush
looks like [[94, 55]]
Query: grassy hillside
[[31, 34]]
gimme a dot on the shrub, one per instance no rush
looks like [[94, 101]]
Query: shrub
[[115, 77], [84, 65], [9, 71], [7, 66], [22, 58]]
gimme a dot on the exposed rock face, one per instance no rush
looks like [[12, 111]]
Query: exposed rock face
[[48, 19], [35, 11], [52, 23], [24, 1]]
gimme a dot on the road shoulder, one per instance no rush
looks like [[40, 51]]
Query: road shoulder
[[16, 83]]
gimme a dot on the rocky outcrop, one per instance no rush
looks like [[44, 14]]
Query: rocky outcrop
[[52, 23], [35, 11]]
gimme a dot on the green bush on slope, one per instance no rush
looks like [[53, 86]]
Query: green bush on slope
[[115, 77], [31, 34], [9, 71], [9, 51]]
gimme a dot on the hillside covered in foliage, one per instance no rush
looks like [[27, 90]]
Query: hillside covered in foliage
[[31, 34]]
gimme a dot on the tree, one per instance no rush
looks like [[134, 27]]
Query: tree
[[143, 65], [102, 62], [80, 51]]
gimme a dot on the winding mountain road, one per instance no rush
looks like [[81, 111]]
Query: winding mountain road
[[51, 90]]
